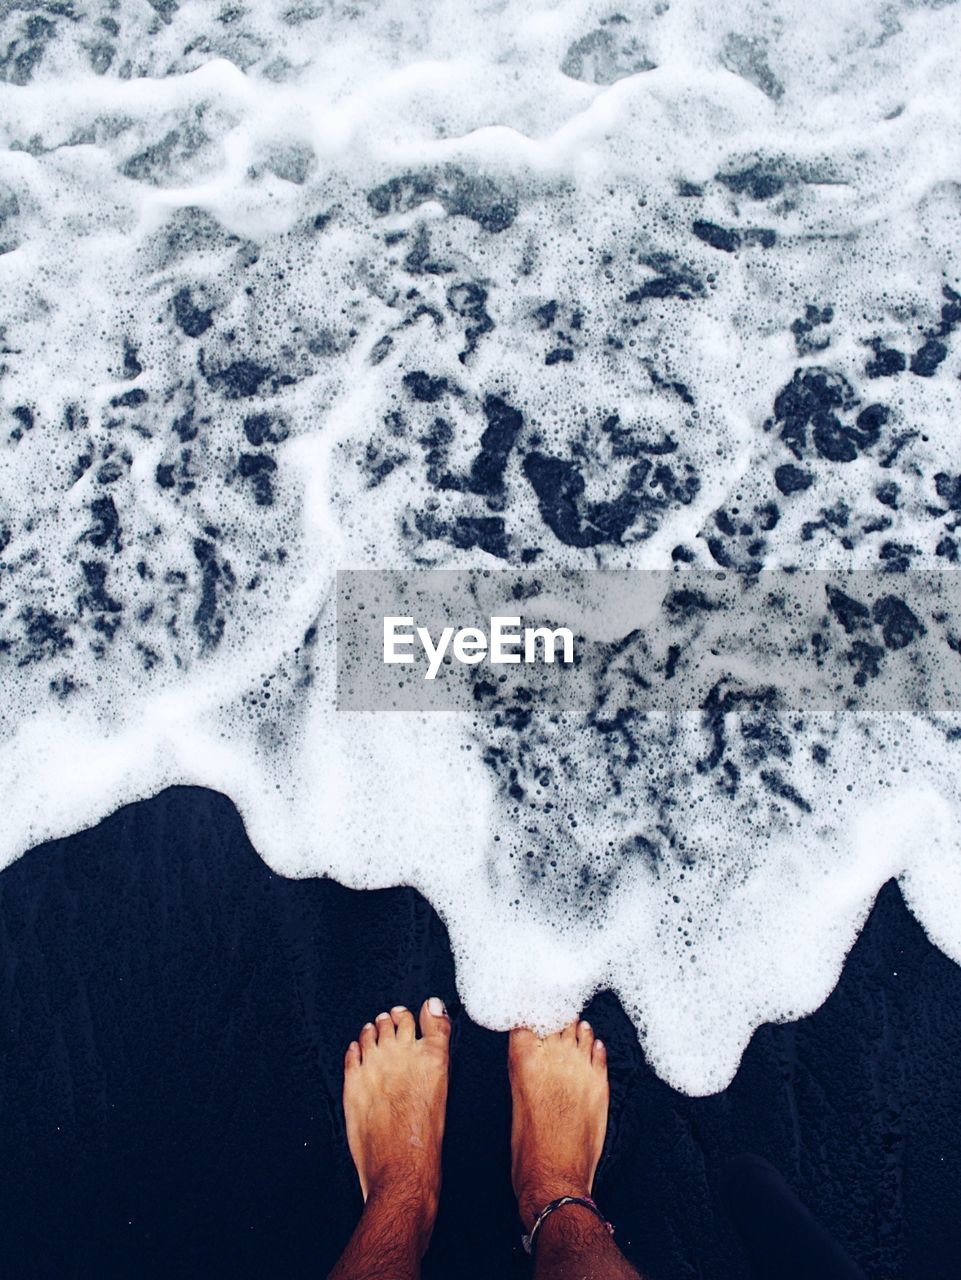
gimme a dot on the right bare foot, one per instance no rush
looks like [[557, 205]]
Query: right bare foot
[[560, 1101], [395, 1096]]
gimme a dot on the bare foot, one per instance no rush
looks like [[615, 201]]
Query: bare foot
[[560, 1100], [395, 1094]]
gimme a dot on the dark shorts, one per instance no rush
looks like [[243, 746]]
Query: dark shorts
[[783, 1240]]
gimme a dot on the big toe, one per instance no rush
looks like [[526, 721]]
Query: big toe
[[521, 1040], [434, 1022]]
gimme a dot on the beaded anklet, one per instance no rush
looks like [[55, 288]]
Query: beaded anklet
[[529, 1241]]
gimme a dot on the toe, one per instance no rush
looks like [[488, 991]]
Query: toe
[[434, 1022], [585, 1037], [568, 1034], [599, 1055], [385, 1028], [352, 1056], [520, 1042], [403, 1023], [368, 1038]]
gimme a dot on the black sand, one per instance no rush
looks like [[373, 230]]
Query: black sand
[[172, 1020]]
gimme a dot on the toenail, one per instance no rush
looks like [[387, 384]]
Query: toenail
[[368, 1026], [381, 1016], [399, 1008], [435, 1006], [585, 1026]]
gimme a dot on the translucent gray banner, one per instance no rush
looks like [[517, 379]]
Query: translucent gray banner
[[499, 642]]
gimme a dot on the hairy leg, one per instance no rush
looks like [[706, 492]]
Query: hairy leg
[[395, 1096], [560, 1102], [575, 1245]]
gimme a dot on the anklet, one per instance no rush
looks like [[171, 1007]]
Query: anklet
[[529, 1241]]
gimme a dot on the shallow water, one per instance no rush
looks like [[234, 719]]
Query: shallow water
[[289, 290]]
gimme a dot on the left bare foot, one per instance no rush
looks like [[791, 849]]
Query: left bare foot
[[395, 1096]]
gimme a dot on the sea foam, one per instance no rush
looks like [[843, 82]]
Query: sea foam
[[292, 289]]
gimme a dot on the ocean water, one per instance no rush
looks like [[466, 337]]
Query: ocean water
[[291, 289]]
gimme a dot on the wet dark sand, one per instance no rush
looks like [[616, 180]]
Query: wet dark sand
[[172, 1020]]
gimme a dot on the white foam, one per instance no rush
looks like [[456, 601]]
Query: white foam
[[183, 191]]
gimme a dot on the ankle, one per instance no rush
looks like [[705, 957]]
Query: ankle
[[411, 1201], [533, 1196]]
